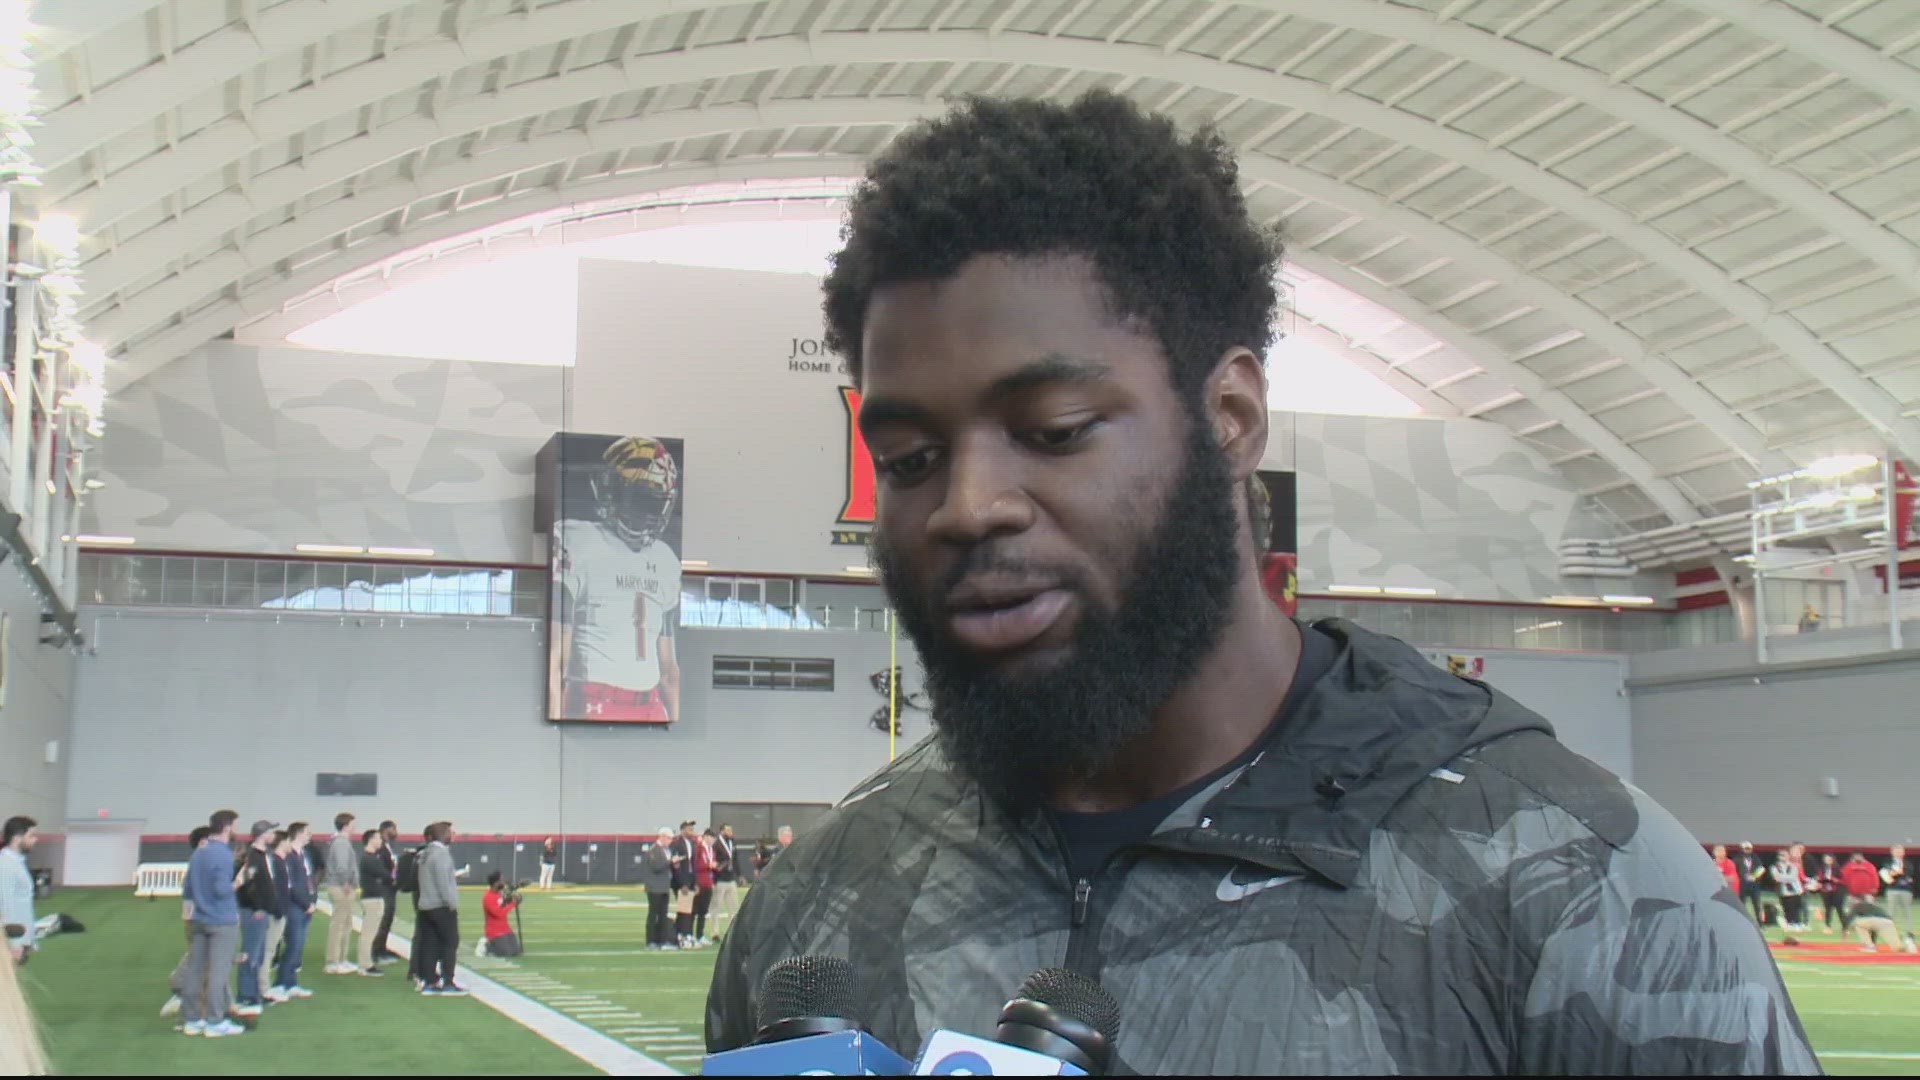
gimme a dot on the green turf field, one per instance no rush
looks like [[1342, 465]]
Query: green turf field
[[97, 995]]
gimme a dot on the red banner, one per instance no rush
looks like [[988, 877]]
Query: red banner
[[1906, 507]]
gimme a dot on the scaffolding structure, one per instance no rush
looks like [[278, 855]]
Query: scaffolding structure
[[1838, 512]]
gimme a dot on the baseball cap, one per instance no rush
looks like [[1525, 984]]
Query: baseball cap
[[263, 826]]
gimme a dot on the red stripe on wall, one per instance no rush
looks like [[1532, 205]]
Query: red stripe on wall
[[1699, 575]]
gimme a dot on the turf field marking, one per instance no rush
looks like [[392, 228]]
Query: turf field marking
[[600, 1051], [1869, 1055]]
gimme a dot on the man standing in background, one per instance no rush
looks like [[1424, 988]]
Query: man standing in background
[[277, 857], [1897, 876], [656, 873], [684, 884], [177, 981], [258, 904], [439, 929], [1727, 869], [299, 914], [343, 888], [1753, 876], [215, 929], [376, 896], [726, 877], [16, 884], [389, 856]]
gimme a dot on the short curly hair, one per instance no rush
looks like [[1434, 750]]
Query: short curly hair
[[1159, 214]]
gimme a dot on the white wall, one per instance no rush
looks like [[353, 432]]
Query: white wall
[[36, 710], [1743, 756], [1582, 694], [181, 713]]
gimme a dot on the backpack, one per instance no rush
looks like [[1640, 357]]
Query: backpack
[[406, 872]]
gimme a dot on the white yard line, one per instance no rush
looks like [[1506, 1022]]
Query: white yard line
[[1869, 1055], [606, 1054]]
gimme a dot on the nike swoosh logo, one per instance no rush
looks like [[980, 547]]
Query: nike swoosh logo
[[1231, 891]]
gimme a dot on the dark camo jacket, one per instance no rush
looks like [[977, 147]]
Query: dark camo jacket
[[1479, 900]]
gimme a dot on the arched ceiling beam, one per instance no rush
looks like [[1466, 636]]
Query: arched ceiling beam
[[227, 53], [227, 313], [559, 23], [1794, 340], [1861, 63], [223, 315], [155, 305], [1664, 493], [232, 139], [1881, 246]]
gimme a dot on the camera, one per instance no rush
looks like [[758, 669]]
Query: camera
[[510, 892]]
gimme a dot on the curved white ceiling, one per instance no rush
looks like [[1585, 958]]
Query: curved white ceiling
[[1675, 242]]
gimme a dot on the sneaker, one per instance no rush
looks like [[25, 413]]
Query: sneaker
[[172, 1007], [373, 973], [192, 1027], [247, 1010], [298, 992], [274, 995], [223, 1029], [429, 990], [1869, 949], [704, 942], [453, 990], [669, 948]]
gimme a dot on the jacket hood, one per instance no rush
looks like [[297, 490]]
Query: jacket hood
[[1380, 720]]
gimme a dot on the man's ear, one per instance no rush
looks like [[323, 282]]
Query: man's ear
[[1235, 398]]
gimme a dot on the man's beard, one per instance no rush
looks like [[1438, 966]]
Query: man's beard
[[1017, 734]]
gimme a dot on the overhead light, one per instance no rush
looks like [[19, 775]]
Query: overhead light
[[51, 489], [867, 570], [93, 540], [1628, 599], [1743, 558], [58, 231], [1410, 590], [1840, 465], [1573, 600], [328, 549], [1551, 625], [1355, 590], [694, 562], [94, 483], [402, 553]]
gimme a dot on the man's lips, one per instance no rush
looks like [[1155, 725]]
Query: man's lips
[[998, 618]]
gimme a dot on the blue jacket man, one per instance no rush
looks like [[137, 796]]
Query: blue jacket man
[[296, 900]]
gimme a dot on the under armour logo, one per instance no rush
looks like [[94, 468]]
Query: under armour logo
[[596, 707]]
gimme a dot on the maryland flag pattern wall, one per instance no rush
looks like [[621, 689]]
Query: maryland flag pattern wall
[[612, 507]]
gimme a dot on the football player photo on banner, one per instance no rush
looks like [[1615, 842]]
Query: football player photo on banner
[[615, 519]]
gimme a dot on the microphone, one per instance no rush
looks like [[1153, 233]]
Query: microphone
[[805, 1027], [1059, 1023]]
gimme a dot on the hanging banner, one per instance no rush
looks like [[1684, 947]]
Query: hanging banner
[[611, 506]]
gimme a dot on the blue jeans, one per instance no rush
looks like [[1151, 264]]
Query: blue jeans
[[288, 974], [253, 942]]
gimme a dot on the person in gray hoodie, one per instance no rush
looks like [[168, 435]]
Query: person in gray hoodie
[[656, 873], [343, 891], [439, 929]]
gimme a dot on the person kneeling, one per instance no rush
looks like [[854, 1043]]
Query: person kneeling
[[497, 905]]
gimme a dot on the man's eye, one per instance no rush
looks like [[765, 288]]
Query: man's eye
[[907, 468], [1061, 438]]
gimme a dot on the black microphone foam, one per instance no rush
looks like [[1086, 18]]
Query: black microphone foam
[[1074, 995], [806, 988]]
